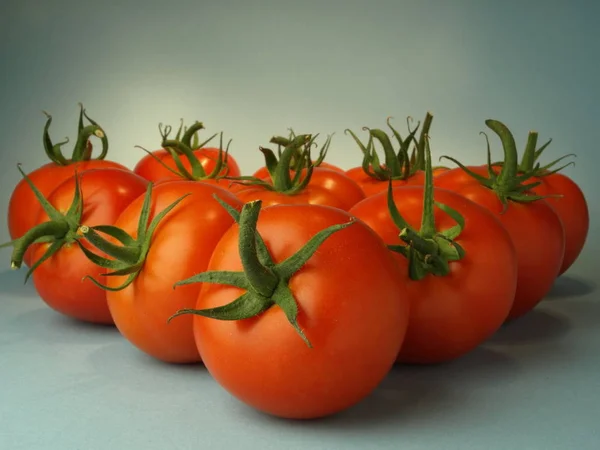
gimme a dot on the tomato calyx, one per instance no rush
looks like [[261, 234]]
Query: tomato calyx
[[265, 282], [183, 145], [280, 170], [298, 161], [60, 230], [130, 254], [397, 165], [82, 150], [508, 184], [428, 251], [529, 162]]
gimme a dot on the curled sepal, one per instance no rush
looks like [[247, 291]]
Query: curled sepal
[[265, 285], [530, 165], [428, 250], [129, 254], [81, 151]]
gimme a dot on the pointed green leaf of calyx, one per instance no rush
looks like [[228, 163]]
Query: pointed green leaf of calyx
[[81, 151], [428, 250], [129, 253], [264, 285], [420, 156], [59, 230], [280, 169]]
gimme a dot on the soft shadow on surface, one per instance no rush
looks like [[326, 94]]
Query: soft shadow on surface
[[48, 326], [123, 364], [537, 326], [12, 282], [412, 395], [568, 286]]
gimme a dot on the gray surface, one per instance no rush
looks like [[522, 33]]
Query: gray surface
[[67, 385]]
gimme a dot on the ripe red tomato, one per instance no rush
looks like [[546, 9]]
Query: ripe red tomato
[[572, 209], [450, 314], [152, 170], [263, 172], [371, 185], [336, 182], [351, 308], [180, 247], [58, 280], [23, 207], [535, 228]]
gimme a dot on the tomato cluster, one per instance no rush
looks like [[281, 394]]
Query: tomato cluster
[[301, 285]]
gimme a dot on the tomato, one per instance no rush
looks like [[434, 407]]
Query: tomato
[[453, 314], [336, 182], [23, 207], [105, 194], [339, 320], [149, 168], [180, 246], [371, 185], [263, 172], [533, 225], [572, 209]]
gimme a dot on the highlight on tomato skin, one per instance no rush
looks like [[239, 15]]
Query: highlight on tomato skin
[[310, 314], [173, 231], [95, 197]]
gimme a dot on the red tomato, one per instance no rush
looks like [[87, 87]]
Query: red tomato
[[23, 206], [149, 168], [572, 209], [180, 247], [352, 307], [534, 227], [313, 195], [58, 280], [452, 314], [342, 186], [372, 186], [263, 172]]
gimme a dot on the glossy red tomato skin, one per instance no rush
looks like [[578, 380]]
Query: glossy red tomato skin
[[535, 228], [23, 206], [58, 281], [372, 186], [149, 168], [352, 308], [450, 315], [180, 248], [572, 208]]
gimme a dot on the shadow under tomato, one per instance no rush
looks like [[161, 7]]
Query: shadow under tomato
[[541, 325], [50, 327], [12, 282], [412, 395], [122, 364], [568, 286]]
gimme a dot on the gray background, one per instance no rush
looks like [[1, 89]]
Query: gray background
[[253, 69]]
